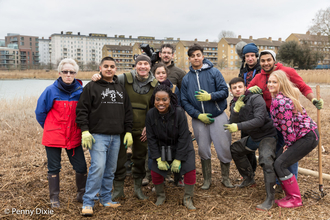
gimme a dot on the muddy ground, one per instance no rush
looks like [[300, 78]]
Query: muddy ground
[[24, 186]]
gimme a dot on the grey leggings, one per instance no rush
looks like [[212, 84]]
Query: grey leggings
[[295, 152]]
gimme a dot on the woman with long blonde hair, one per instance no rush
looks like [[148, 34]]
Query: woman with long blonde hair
[[299, 131]]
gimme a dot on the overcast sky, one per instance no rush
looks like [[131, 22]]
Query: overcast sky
[[201, 19]]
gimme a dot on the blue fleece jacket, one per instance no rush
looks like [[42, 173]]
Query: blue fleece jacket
[[209, 79]]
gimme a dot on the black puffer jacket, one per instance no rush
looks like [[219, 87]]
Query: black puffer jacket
[[253, 118]]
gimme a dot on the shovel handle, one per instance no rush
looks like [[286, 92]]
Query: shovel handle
[[320, 143]]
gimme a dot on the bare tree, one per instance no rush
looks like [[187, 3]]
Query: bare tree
[[321, 23], [224, 34]]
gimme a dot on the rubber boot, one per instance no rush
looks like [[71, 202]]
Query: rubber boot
[[225, 175], [187, 198], [54, 190], [268, 203], [118, 189], [138, 189], [160, 193], [291, 189], [81, 183], [206, 168], [247, 181]]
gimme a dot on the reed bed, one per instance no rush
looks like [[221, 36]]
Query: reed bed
[[309, 76], [24, 186]]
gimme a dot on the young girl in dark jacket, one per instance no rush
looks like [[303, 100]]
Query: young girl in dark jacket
[[168, 132]]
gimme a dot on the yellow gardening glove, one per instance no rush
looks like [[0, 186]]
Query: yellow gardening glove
[[162, 165], [255, 90], [87, 140], [202, 95], [318, 103], [231, 127], [239, 103], [205, 118], [128, 139], [176, 166]]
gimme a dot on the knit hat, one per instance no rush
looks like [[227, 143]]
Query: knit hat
[[250, 48], [142, 58], [269, 51]]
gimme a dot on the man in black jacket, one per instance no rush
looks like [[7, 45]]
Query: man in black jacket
[[104, 111], [249, 114]]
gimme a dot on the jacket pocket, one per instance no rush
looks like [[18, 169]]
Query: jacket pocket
[[139, 114], [55, 134]]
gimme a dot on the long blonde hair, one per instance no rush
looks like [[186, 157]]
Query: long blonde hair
[[288, 88]]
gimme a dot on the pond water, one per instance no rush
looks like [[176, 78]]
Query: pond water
[[10, 89]]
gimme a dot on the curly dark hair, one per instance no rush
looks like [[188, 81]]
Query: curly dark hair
[[167, 89]]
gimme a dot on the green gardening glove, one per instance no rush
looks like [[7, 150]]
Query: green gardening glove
[[255, 90], [318, 103], [176, 166], [87, 140], [239, 103], [162, 165], [202, 95], [231, 127], [205, 118], [128, 139]]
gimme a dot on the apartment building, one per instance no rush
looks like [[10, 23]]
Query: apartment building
[[9, 57], [44, 54], [210, 52], [317, 42], [227, 56], [123, 56], [88, 48], [28, 47]]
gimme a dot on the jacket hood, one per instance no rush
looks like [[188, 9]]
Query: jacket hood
[[206, 65]]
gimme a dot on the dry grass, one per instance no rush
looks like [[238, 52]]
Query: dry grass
[[23, 183], [309, 76]]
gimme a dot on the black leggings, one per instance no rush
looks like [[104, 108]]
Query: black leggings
[[295, 152]]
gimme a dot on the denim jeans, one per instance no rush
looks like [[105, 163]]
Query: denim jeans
[[104, 156]]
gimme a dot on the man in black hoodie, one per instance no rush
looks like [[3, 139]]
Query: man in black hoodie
[[248, 113], [104, 112]]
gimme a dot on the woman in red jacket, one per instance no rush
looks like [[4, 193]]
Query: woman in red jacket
[[56, 113]]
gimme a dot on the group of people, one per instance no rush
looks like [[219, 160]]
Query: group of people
[[145, 110]]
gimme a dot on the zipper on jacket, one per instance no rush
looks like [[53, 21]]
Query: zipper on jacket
[[199, 87], [216, 105]]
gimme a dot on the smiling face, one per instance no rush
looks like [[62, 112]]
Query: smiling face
[[237, 89], [162, 102], [142, 68], [166, 55], [273, 84], [196, 59], [251, 59], [108, 69], [67, 73], [267, 63], [160, 74]]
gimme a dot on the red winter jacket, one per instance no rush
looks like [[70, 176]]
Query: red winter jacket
[[261, 80], [56, 113]]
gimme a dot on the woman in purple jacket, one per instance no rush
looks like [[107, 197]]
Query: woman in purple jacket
[[299, 131]]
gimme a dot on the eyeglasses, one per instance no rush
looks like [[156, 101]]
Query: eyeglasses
[[66, 72]]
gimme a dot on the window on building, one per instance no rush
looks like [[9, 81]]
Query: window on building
[[262, 47], [231, 46], [231, 57], [30, 39], [22, 43], [231, 51]]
